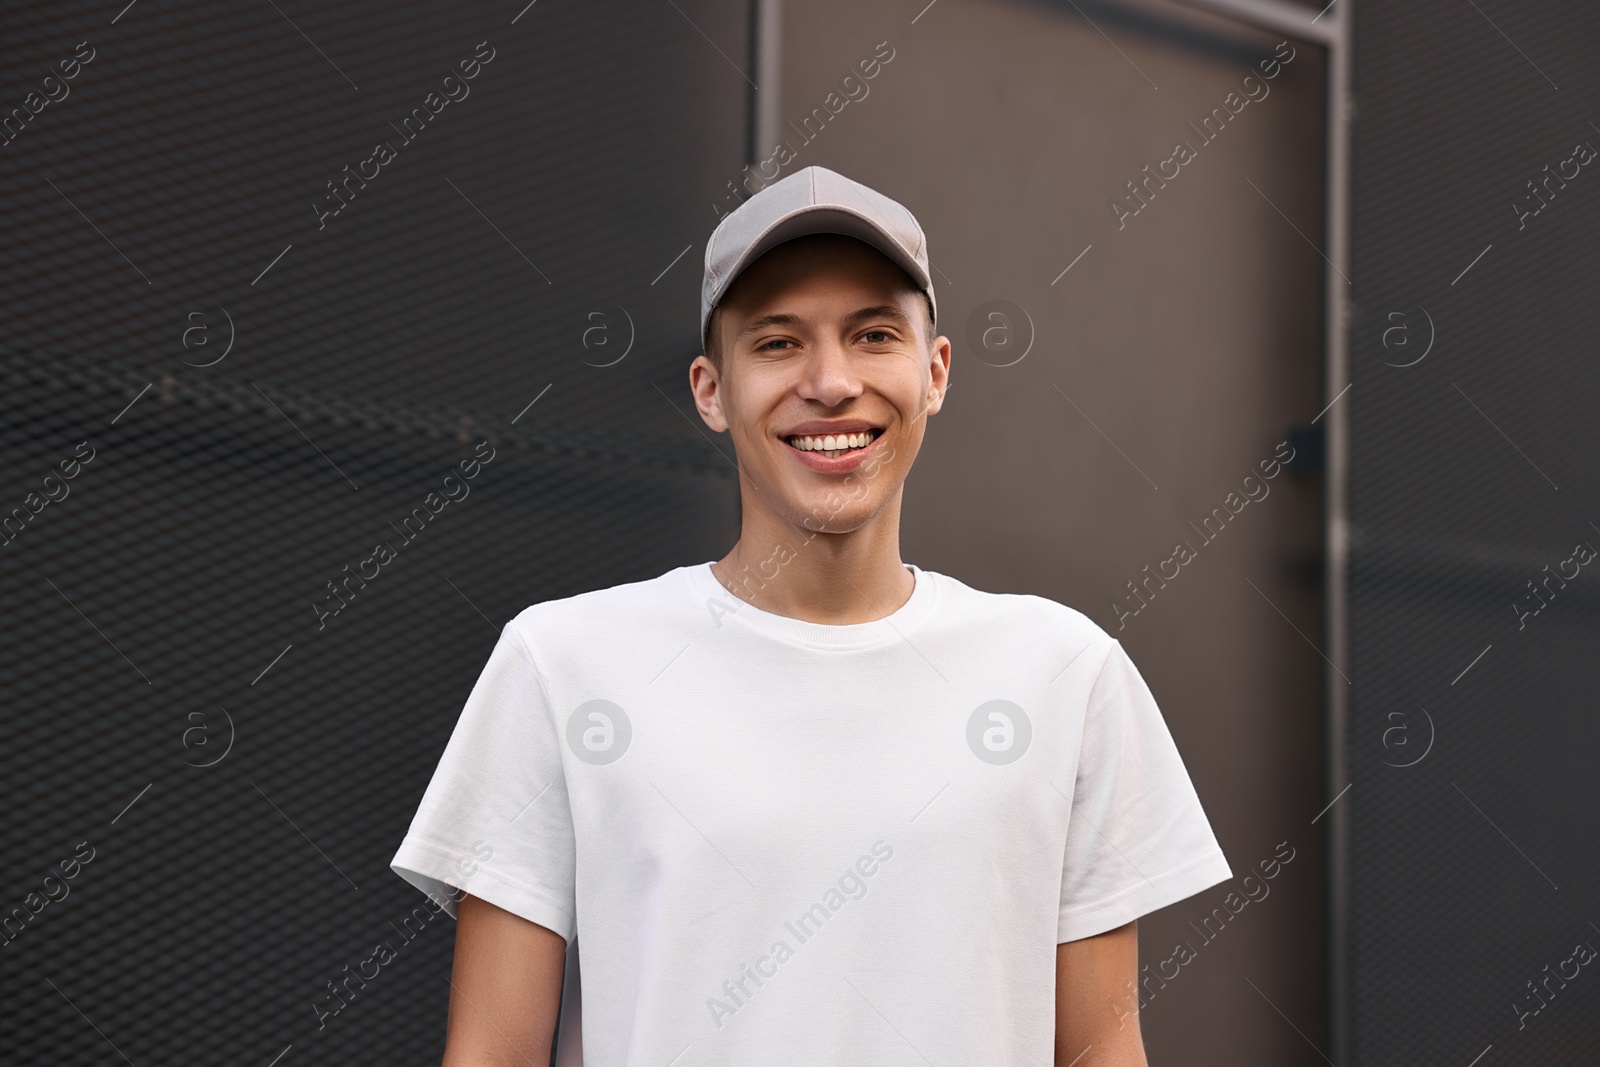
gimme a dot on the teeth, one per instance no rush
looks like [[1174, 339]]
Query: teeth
[[832, 444]]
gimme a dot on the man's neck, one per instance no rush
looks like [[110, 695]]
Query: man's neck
[[833, 579]]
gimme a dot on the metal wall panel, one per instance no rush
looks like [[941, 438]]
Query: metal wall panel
[[237, 764], [1472, 470]]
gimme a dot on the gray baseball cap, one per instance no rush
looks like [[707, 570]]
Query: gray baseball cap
[[813, 200]]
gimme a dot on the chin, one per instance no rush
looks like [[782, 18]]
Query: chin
[[825, 516]]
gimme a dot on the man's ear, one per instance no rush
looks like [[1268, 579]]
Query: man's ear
[[706, 387], [939, 373]]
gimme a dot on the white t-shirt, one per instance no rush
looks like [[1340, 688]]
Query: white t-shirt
[[779, 841]]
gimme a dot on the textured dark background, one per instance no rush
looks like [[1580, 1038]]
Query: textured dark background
[[1470, 472], [170, 594], [369, 360]]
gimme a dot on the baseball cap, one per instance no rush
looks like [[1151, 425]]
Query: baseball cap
[[813, 200]]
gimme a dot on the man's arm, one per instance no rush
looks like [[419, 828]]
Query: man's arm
[[505, 990], [1097, 1003]]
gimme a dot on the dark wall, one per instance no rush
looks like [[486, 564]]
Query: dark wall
[[237, 763], [1472, 470]]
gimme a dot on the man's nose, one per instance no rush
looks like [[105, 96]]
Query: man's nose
[[829, 376]]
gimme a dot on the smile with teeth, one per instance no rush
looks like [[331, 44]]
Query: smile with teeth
[[833, 445]]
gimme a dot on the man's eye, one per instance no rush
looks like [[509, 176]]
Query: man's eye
[[876, 337], [775, 341]]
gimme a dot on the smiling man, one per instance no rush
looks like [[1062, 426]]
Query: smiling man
[[672, 774]]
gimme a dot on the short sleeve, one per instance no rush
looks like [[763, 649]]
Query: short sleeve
[[495, 820], [1137, 837]]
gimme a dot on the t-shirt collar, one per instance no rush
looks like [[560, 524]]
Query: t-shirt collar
[[730, 609]]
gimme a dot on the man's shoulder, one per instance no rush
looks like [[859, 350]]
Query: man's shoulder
[[607, 606], [1025, 612]]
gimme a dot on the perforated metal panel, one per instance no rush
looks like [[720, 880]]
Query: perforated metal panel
[[257, 393], [1472, 469]]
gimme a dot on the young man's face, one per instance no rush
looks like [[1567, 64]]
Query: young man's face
[[823, 335]]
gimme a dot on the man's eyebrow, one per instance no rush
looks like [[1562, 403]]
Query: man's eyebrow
[[781, 319], [881, 311]]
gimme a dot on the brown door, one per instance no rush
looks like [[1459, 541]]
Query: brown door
[[1129, 360]]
